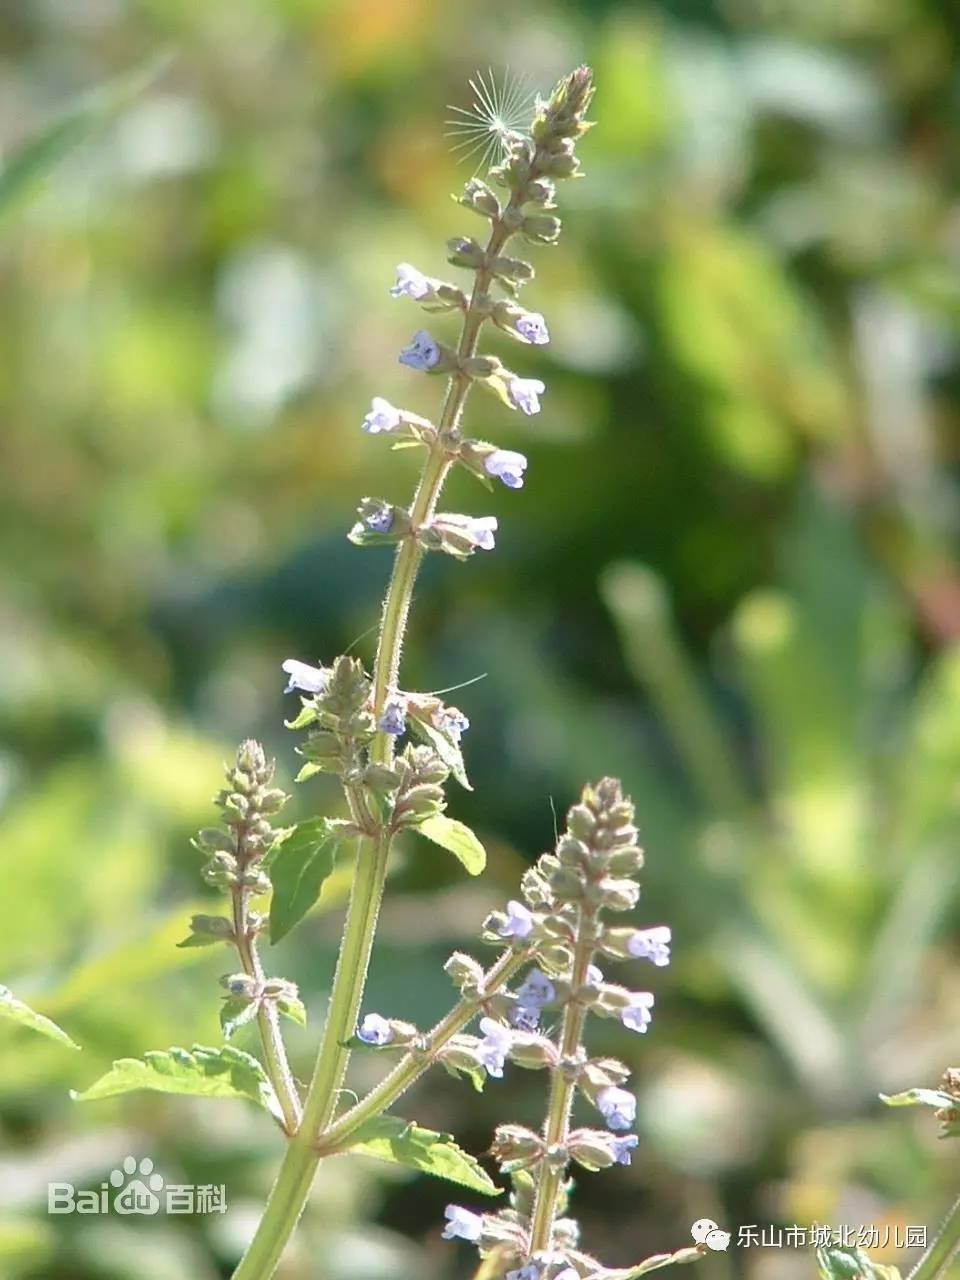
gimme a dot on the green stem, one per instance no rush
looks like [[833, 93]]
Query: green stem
[[292, 1185], [413, 1065], [943, 1249], [562, 1092], [268, 1019]]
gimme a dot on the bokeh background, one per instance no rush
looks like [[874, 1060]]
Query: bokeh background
[[732, 579]]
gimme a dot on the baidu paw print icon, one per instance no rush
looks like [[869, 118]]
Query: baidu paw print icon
[[137, 1187], [705, 1231]]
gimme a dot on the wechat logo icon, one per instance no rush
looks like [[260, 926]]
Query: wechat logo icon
[[706, 1232]]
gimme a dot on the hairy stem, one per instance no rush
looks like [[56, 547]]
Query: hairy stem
[[943, 1249], [562, 1092], [296, 1172], [268, 1018], [413, 1065]]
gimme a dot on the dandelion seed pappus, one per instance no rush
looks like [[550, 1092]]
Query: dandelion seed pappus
[[500, 107]]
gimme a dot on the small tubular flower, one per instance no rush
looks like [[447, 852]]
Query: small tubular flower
[[507, 466], [304, 677], [461, 1224], [421, 353], [375, 1029], [524, 394], [519, 921], [617, 1106], [651, 944]]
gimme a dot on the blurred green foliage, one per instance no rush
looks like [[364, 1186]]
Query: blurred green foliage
[[732, 578]]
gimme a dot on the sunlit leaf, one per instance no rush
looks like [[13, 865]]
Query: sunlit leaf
[[298, 871], [457, 838], [402, 1142], [225, 1072], [14, 1010]]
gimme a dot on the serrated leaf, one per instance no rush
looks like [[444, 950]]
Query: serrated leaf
[[403, 1142], [235, 1014], [920, 1097], [298, 872], [15, 1010], [457, 838], [292, 1007], [202, 1072], [447, 750]]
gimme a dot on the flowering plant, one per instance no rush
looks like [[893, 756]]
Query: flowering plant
[[533, 1003]]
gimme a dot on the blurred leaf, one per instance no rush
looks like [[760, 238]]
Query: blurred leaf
[[298, 871], [838, 1262], [919, 1097], [15, 1010], [27, 167], [457, 838], [202, 1072], [235, 1014], [403, 1142], [293, 1008]]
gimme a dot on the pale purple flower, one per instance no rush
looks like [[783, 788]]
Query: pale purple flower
[[519, 921], [637, 1015], [617, 1107], [461, 1224], [507, 466], [494, 1046], [525, 1017], [379, 521], [525, 394], [568, 1273], [452, 722], [536, 991], [651, 944], [394, 718], [532, 328], [375, 1030], [304, 677], [594, 975], [622, 1147], [531, 1271], [482, 529], [422, 353], [411, 283], [382, 417]]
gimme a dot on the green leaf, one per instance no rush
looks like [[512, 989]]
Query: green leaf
[[446, 749], [402, 1142], [202, 1072], [298, 872], [26, 168], [292, 1007], [235, 1014], [457, 838], [16, 1011], [920, 1097]]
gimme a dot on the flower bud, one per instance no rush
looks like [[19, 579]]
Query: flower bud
[[513, 270], [593, 1148], [464, 971], [515, 1147], [418, 803], [220, 871], [541, 228], [532, 1051], [380, 522], [463, 251], [381, 778], [212, 926], [240, 985], [256, 880], [478, 197]]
